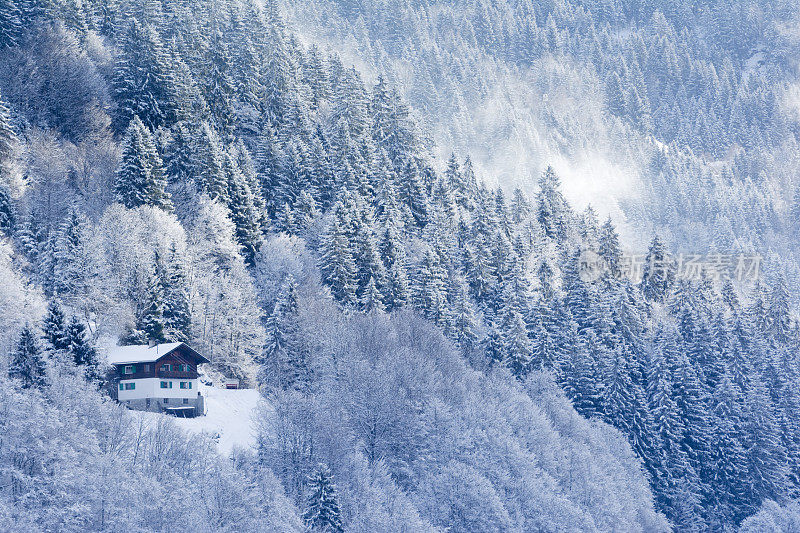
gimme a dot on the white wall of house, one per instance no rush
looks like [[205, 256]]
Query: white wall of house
[[151, 388]]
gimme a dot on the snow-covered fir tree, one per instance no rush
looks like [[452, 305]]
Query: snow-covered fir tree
[[27, 363], [322, 511]]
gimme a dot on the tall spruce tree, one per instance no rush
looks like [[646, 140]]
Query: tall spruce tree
[[8, 145], [8, 218], [552, 210], [285, 361], [73, 272], [177, 309], [337, 265], [219, 85], [322, 513], [393, 254], [242, 210], [140, 176], [54, 328], [27, 363], [83, 353], [210, 160], [658, 272], [150, 313], [429, 289], [465, 321], [10, 23], [143, 83]]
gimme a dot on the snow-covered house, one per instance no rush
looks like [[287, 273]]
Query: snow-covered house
[[159, 377]]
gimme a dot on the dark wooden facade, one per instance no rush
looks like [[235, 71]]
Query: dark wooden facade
[[182, 355]]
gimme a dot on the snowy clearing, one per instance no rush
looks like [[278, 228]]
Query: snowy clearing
[[230, 416]]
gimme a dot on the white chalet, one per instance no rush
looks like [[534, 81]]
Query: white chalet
[[159, 377]]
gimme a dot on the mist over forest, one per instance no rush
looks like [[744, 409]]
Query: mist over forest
[[483, 265]]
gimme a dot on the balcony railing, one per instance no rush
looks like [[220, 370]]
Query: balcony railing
[[191, 374]]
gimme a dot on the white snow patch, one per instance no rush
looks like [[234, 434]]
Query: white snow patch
[[230, 417], [791, 101], [753, 63]]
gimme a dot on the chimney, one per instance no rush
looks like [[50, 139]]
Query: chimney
[[151, 343]]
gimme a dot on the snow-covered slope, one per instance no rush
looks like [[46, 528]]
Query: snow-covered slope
[[230, 417]]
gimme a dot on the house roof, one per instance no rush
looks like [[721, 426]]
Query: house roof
[[142, 353]]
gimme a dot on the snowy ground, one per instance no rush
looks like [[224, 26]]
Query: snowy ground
[[230, 417]]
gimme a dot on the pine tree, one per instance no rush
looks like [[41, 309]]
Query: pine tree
[[766, 456], [285, 362], [730, 461], [73, 14], [179, 160], [609, 248], [219, 85], [210, 160], [27, 363], [73, 269], [83, 353], [658, 272], [778, 315], [371, 299], [552, 209], [544, 351], [10, 23], [337, 266], [142, 81], [186, 96], [322, 505], [577, 298], [150, 317], [306, 212], [8, 144], [393, 255], [247, 167], [516, 346], [390, 122], [581, 380], [55, 327], [8, 217], [242, 210], [368, 261], [177, 310], [412, 192], [666, 424], [140, 176], [465, 323], [429, 289]]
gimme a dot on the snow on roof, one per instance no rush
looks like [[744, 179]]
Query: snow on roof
[[140, 353]]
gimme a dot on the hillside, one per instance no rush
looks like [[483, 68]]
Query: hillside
[[430, 350], [230, 418]]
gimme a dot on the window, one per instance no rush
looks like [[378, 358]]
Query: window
[[130, 386], [130, 369], [147, 368], [166, 400], [121, 386], [186, 401], [166, 384], [166, 367], [186, 384]]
